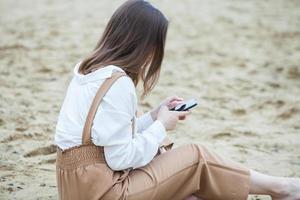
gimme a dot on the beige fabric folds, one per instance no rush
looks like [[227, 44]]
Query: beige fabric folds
[[82, 173]]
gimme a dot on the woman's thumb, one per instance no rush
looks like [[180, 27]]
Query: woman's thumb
[[183, 113]]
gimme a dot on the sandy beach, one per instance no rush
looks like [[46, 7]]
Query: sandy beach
[[239, 59]]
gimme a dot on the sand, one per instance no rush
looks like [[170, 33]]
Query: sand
[[239, 59]]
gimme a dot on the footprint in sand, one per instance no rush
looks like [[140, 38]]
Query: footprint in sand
[[2, 122], [21, 136], [289, 113], [239, 112], [41, 151], [48, 161], [223, 135], [294, 72]]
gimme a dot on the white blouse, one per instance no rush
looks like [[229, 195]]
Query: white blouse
[[112, 123]]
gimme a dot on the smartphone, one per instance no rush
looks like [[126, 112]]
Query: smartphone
[[186, 105]]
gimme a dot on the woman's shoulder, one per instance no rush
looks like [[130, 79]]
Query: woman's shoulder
[[121, 96], [122, 88], [124, 82]]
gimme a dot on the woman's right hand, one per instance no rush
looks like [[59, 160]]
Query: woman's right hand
[[170, 118]]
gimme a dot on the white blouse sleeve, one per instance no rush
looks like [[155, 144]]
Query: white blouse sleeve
[[112, 129], [144, 121]]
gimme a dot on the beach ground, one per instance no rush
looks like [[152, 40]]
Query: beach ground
[[239, 59]]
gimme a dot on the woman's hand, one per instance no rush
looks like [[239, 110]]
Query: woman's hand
[[170, 118], [169, 102]]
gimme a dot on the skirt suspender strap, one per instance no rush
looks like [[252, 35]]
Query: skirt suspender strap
[[86, 136]]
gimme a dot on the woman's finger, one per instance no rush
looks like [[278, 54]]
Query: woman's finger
[[183, 113], [174, 103], [174, 98], [182, 118]]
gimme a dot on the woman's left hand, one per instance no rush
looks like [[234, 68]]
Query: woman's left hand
[[170, 102]]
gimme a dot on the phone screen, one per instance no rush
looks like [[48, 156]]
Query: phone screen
[[186, 105]]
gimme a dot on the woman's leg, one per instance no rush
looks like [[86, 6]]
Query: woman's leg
[[188, 169], [193, 169], [279, 188]]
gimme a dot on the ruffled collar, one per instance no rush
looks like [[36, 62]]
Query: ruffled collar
[[99, 74]]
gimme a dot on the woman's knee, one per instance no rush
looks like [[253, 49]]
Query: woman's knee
[[198, 150]]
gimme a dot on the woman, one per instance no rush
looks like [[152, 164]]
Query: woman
[[98, 157]]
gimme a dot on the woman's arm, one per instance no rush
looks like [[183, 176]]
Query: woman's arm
[[144, 121], [112, 129], [148, 118], [138, 151]]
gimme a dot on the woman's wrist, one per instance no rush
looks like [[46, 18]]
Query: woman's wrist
[[154, 115]]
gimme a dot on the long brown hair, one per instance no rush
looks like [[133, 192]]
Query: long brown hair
[[134, 39]]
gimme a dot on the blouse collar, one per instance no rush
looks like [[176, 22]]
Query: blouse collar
[[99, 74]]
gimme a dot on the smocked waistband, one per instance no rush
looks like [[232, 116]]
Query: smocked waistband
[[79, 156]]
